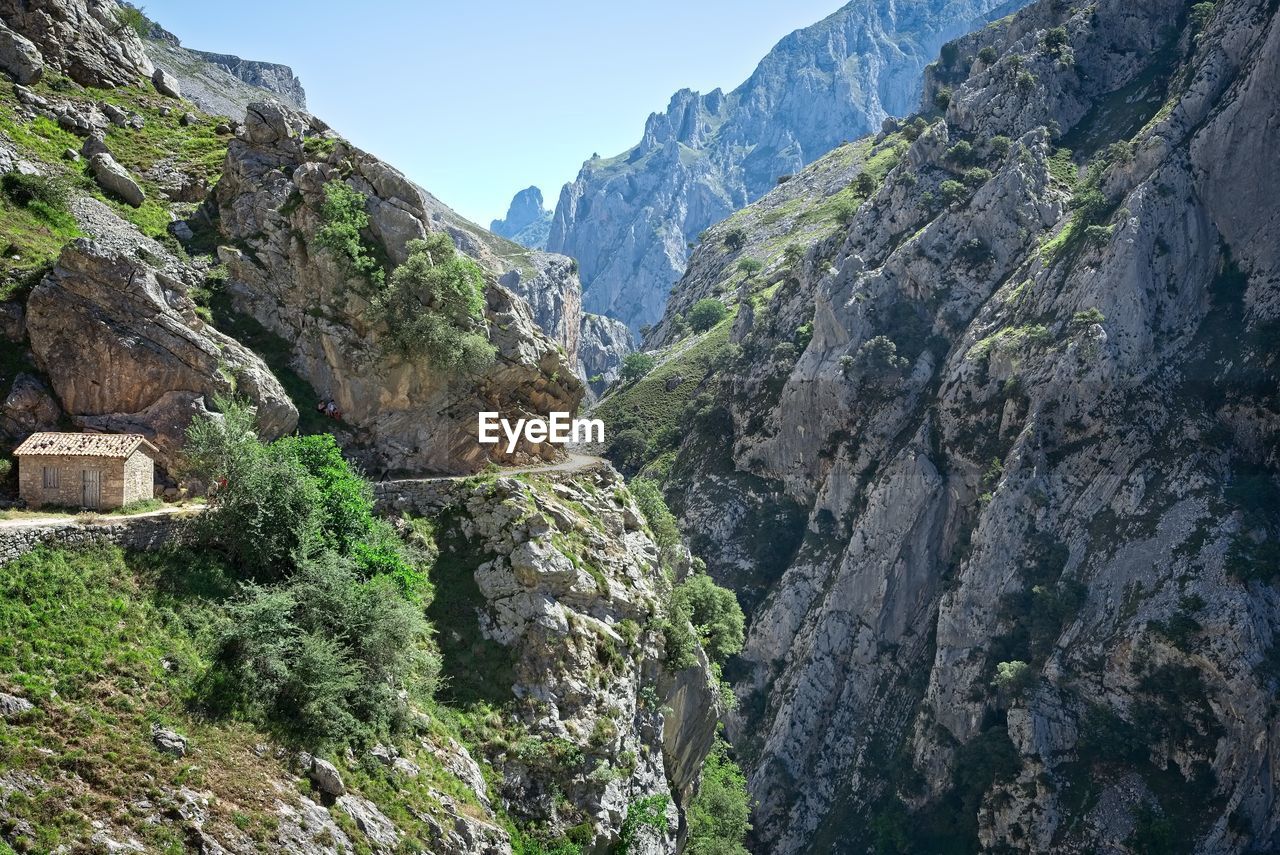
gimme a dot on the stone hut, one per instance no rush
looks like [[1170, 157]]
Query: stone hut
[[85, 470]]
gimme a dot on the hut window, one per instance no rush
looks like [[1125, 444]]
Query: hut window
[[50, 477]]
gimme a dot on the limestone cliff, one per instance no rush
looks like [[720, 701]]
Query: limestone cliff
[[402, 415], [568, 590], [219, 83], [1009, 424], [629, 219]]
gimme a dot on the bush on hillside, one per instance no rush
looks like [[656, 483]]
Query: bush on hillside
[[735, 239], [661, 521], [276, 506], [321, 658], [706, 313], [433, 307], [345, 218], [720, 814], [636, 365], [714, 613]]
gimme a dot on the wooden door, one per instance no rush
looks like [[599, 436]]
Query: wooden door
[[91, 488]]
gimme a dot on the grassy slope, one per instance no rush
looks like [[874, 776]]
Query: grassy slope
[[106, 644]]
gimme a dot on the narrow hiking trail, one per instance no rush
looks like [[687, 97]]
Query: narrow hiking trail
[[574, 462]]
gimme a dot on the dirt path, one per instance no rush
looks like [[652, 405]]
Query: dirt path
[[576, 461], [99, 519]]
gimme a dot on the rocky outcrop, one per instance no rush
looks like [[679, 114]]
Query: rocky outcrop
[[527, 222], [568, 590], [123, 347], [1024, 396], [605, 342], [87, 40], [115, 179], [403, 415], [629, 219], [549, 284], [19, 57]]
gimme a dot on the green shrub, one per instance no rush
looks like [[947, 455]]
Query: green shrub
[[865, 184], [735, 239], [627, 449], [715, 614], [942, 98], [953, 192], [1201, 14], [988, 55], [1013, 677], [1153, 834], [977, 176], [648, 497], [433, 307], [1055, 40], [321, 658], [1025, 81], [750, 266], [961, 153], [275, 506], [648, 812], [1087, 318], [636, 365], [24, 189], [708, 312], [345, 218], [999, 147], [720, 814], [134, 19]]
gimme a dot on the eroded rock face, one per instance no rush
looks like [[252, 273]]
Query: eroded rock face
[[19, 57], [554, 295], [570, 586], [404, 415], [629, 219], [83, 39], [605, 342], [122, 345], [1022, 436]]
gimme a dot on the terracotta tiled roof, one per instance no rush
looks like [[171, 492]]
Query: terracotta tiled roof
[[83, 445]]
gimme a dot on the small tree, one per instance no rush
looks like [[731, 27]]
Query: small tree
[[433, 307], [715, 614], [627, 449], [735, 239], [961, 153], [706, 313], [1055, 40], [750, 266], [637, 365], [864, 184], [953, 192]]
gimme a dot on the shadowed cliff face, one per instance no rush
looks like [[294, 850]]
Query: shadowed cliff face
[[1026, 397], [629, 219]]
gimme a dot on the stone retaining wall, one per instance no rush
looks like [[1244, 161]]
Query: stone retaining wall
[[140, 533]]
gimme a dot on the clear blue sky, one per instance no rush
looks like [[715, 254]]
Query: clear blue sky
[[476, 100]]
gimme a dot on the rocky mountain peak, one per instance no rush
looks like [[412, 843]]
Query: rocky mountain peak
[[527, 221], [629, 220]]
